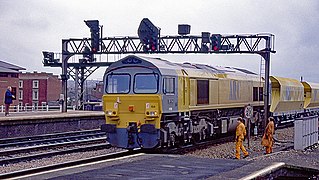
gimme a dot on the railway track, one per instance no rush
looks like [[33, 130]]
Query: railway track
[[49, 138], [13, 151]]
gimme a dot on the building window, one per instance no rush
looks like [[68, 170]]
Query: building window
[[14, 75], [202, 91], [35, 94], [20, 95], [20, 103], [4, 75], [14, 92], [20, 84], [35, 84]]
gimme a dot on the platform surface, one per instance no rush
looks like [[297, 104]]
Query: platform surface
[[41, 114], [146, 166]]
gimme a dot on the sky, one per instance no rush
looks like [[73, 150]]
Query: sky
[[28, 27]]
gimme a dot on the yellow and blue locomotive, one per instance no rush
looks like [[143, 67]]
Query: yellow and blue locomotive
[[150, 102]]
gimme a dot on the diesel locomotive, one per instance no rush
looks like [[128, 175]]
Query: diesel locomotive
[[151, 102]]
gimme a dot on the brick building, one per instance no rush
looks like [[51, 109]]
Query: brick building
[[9, 76], [97, 92], [36, 89]]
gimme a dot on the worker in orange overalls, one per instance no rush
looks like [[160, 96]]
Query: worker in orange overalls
[[240, 136], [267, 139]]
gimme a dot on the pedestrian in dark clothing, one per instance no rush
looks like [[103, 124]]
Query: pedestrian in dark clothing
[[8, 100]]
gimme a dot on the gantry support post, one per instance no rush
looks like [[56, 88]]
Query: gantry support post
[[266, 56]]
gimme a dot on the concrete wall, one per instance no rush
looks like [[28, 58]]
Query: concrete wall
[[48, 125]]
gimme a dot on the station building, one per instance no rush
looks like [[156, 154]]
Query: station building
[[39, 89], [9, 76], [97, 91]]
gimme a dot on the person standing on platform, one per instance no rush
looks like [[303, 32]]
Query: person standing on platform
[[240, 136], [267, 139], [8, 100]]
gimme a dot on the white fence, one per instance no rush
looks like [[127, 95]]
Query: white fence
[[306, 132], [34, 108]]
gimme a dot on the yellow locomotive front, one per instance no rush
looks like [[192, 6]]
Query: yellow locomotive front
[[132, 104]]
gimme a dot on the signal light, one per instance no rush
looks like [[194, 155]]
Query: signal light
[[95, 34], [216, 42]]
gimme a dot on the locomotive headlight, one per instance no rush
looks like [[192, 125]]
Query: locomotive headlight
[[110, 113], [151, 113]]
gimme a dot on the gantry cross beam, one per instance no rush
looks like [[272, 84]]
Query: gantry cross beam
[[249, 44]]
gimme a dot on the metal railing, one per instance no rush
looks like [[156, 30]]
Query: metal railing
[[19, 108]]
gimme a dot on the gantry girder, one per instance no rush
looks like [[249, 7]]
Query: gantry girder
[[248, 44]]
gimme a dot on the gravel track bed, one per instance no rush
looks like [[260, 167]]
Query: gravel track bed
[[54, 160], [282, 152]]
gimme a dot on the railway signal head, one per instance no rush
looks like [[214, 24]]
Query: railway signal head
[[88, 54], [148, 34], [48, 57], [95, 34], [216, 42]]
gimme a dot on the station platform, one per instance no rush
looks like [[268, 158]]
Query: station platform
[[158, 166], [19, 124], [38, 114]]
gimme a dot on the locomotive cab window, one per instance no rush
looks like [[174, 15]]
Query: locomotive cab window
[[258, 94], [261, 93], [202, 91], [117, 83], [146, 83], [169, 85]]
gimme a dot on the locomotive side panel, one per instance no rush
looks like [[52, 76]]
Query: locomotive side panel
[[213, 92], [235, 92]]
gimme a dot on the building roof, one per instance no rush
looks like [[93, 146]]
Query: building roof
[[9, 68], [5, 70]]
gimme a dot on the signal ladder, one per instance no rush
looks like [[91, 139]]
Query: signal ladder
[[261, 74]]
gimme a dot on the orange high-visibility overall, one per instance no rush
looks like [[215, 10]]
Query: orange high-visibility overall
[[267, 139], [240, 136]]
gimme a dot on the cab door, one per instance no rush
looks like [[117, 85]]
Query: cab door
[[184, 92]]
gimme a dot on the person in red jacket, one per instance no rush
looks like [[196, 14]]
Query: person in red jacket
[[240, 136], [8, 100], [267, 139]]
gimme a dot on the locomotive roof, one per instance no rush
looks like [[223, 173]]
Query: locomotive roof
[[193, 70]]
